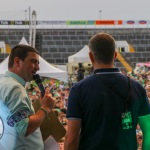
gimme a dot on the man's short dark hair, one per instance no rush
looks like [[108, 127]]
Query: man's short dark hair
[[20, 51], [102, 45]]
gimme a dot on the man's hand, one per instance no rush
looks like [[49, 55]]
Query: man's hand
[[47, 102]]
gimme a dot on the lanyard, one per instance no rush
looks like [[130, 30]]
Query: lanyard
[[125, 99]]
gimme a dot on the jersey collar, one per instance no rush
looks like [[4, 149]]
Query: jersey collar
[[107, 71], [15, 76]]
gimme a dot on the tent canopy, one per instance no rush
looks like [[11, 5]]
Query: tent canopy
[[23, 41], [81, 56], [46, 70], [147, 64]]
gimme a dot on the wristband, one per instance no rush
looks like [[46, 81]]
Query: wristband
[[46, 112]]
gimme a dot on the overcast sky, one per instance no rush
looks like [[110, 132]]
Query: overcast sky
[[76, 9]]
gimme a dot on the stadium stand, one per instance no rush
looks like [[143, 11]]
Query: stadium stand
[[55, 45]]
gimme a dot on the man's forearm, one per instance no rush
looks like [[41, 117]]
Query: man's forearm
[[71, 144], [35, 121]]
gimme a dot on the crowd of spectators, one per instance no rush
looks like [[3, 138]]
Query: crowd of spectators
[[142, 75], [60, 92], [79, 73]]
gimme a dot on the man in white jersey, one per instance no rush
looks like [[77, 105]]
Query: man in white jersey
[[19, 124]]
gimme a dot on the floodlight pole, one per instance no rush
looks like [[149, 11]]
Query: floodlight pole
[[30, 29], [100, 17], [34, 27]]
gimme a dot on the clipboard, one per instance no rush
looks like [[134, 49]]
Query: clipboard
[[50, 126]]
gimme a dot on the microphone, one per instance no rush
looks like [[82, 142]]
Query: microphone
[[38, 81]]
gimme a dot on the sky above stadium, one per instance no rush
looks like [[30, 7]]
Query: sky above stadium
[[76, 9]]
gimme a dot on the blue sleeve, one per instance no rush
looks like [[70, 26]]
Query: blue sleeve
[[74, 109]]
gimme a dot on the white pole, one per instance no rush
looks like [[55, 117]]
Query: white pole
[[34, 27], [100, 17], [25, 15], [30, 28]]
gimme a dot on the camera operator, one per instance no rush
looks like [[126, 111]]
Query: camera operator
[[81, 71]]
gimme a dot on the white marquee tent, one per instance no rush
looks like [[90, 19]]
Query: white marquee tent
[[80, 57], [46, 69], [83, 55]]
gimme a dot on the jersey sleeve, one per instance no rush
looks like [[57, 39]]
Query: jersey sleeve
[[19, 109], [74, 110], [144, 103]]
